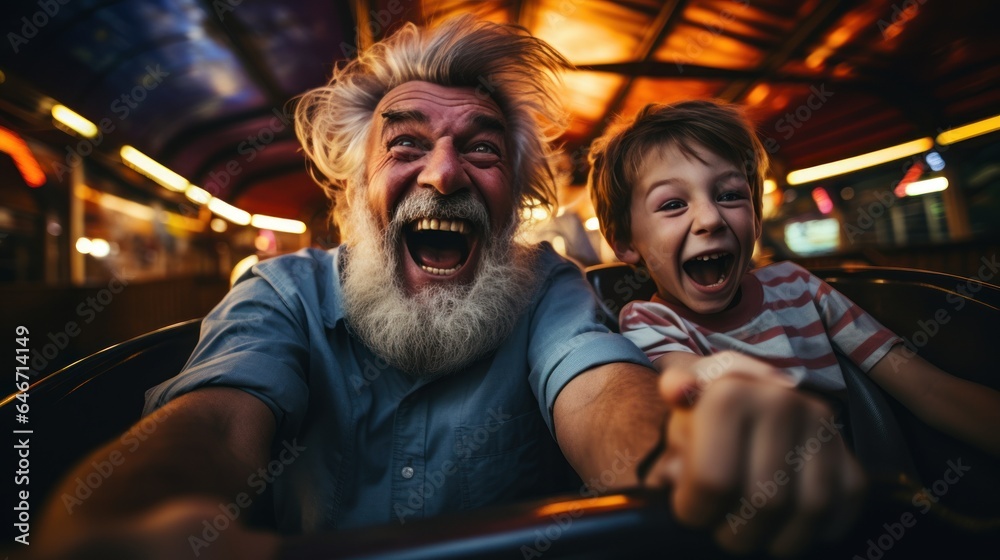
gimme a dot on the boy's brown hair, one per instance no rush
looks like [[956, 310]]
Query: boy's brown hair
[[616, 157]]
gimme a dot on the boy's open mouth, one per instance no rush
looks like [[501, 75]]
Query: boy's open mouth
[[710, 270], [438, 246]]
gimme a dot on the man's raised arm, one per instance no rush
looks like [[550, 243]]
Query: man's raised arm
[[606, 420], [726, 439], [165, 483]]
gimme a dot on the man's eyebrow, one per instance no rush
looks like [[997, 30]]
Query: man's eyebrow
[[394, 118], [400, 116], [490, 123]]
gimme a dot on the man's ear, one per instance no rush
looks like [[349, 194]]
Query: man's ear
[[626, 252]]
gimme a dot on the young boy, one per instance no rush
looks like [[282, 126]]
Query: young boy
[[678, 192]]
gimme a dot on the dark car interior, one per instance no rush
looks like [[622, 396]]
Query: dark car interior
[[97, 398]]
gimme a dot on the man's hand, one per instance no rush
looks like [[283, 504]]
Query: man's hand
[[171, 531], [156, 503], [760, 464]]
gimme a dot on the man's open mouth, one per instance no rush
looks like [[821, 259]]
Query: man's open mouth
[[440, 246], [710, 270]]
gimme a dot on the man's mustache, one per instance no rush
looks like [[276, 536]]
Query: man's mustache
[[428, 203]]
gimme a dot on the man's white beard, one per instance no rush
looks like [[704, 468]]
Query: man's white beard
[[443, 327]]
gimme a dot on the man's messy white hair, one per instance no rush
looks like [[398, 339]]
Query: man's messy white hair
[[503, 62]]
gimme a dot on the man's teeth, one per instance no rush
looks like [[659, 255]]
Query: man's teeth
[[459, 226], [440, 271]]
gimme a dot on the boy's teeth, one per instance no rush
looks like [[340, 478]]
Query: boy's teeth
[[709, 257], [722, 278]]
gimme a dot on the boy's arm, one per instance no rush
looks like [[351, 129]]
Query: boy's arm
[[166, 482], [958, 407], [726, 439]]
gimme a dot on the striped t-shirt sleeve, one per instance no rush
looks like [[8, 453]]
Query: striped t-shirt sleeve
[[851, 329], [657, 330]]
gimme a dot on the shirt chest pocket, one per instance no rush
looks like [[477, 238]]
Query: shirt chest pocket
[[502, 460]]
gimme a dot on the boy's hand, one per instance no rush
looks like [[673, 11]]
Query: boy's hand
[[760, 464]]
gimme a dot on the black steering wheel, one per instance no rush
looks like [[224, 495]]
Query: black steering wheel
[[638, 524]]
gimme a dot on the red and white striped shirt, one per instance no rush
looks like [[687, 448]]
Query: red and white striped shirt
[[785, 316]]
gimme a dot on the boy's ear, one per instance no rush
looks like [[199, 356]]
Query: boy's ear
[[625, 252], [758, 227]]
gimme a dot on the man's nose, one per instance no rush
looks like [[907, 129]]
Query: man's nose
[[443, 171], [707, 219]]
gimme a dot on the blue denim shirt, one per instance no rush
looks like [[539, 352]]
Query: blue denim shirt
[[361, 443]]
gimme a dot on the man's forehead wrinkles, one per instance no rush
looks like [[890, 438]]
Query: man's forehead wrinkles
[[424, 110], [412, 95]]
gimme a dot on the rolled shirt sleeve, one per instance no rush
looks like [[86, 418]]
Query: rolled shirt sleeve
[[251, 341], [567, 337]]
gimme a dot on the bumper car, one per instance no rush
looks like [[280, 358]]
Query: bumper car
[[919, 504]]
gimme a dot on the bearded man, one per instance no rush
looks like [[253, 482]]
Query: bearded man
[[432, 362]]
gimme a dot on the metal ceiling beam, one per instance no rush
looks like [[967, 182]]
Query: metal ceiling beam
[[517, 13], [826, 14], [666, 70], [664, 23], [746, 39], [360, 9]]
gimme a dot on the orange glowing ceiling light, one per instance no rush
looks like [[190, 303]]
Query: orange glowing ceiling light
[[25, 161], [970, 130], [862, 161], [758, 94]]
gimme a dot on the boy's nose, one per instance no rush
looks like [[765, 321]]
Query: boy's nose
[[707, 219], [443, 171]]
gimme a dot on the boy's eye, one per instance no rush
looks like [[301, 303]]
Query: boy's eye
[[730, 196], [672, 205]]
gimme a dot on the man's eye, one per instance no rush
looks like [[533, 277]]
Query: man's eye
[[483, 148], [402, 142]]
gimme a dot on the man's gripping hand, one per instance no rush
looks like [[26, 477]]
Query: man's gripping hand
[[760, 464], [170, 531]]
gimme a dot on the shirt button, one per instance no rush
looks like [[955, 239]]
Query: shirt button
[[407, 472]]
